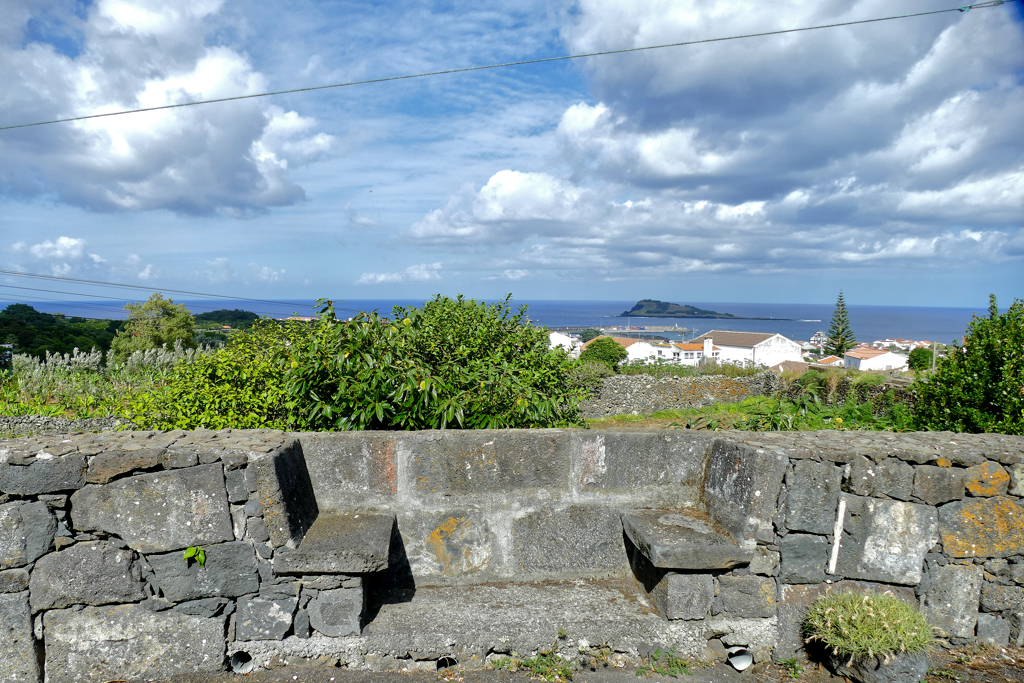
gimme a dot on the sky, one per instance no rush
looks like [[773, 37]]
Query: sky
[[885, 159]]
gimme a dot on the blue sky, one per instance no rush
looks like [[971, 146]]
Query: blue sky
[[884, 159]]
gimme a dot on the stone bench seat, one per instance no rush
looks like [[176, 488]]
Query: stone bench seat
[[684, 539], [340, 543]]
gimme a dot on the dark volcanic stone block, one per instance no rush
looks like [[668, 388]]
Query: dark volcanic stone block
[[340, 544], [285, 492], [18, 660], [993, 630], [86, 574], [106, 466], [746, 596], [951, 599], [160, 511], [337, 612], [891, 477], [684, 596], [812, 497], [264, 618], [13, 581], [229, 572], [50, 475], [803, 558], [684, 539], [741, 487], [937, 485], [135, 643], [885, 540], [26, 533]]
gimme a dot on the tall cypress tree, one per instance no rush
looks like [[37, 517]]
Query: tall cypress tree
[[840, 336]]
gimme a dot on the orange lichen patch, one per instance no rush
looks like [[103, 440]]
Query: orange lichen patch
[[452, 546], [982, 527], [944, 462], [987, 479]]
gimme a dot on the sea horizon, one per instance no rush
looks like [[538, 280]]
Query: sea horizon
[[795, 321]]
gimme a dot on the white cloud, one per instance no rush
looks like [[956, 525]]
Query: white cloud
[[17, 247], [61, 248], [232, 158], [265, 273], [423, 272], [149, 272]]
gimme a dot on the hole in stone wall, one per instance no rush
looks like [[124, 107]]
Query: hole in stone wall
[[446, 662], [241, 663]]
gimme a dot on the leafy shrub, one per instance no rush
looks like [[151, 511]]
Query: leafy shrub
[[240, 386], [587, 376], [979, 387], [588, 334], [605, 350], [452, 363], [919, 359], [856, 626]]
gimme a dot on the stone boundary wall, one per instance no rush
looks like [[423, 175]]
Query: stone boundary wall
[[643, 394], [37, 424], [94, 586]]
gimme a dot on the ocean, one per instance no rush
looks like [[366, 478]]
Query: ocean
[[796, 321]]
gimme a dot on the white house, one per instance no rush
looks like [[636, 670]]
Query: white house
[[570, 345], [868, 358], [832, 361], [757, 348]]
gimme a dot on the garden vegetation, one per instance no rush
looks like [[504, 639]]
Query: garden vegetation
[[458, 363]]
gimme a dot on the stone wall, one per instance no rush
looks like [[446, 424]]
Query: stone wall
[[24, 425], [643, 394], [396, 550]]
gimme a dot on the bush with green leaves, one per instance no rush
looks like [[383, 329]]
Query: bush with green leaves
[[155, 323], [240, 386], [588, 334], [979, 387], [858, 626], [452, 363], [605, 350], [919, 359]]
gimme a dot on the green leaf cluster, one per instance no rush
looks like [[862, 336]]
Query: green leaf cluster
[[151, 325], [195, 553], [919, 359], [451, 363], [859, 626], [604, 350], [979, 387]]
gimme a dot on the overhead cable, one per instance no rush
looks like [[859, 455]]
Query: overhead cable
[[540, 60], [162, 289]]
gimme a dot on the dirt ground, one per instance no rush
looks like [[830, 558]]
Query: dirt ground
[[973, 665]]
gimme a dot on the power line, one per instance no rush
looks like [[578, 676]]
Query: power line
[[150, 289], [542, 60], [93, 296]]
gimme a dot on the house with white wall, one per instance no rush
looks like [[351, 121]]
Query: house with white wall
[[637, 349], [869, 358], [571, 345], [754, 348]]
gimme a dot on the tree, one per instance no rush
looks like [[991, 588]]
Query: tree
[[920, 359], [587, 335], [840, 336], [152, 324], [979, 387], [605, 350]]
